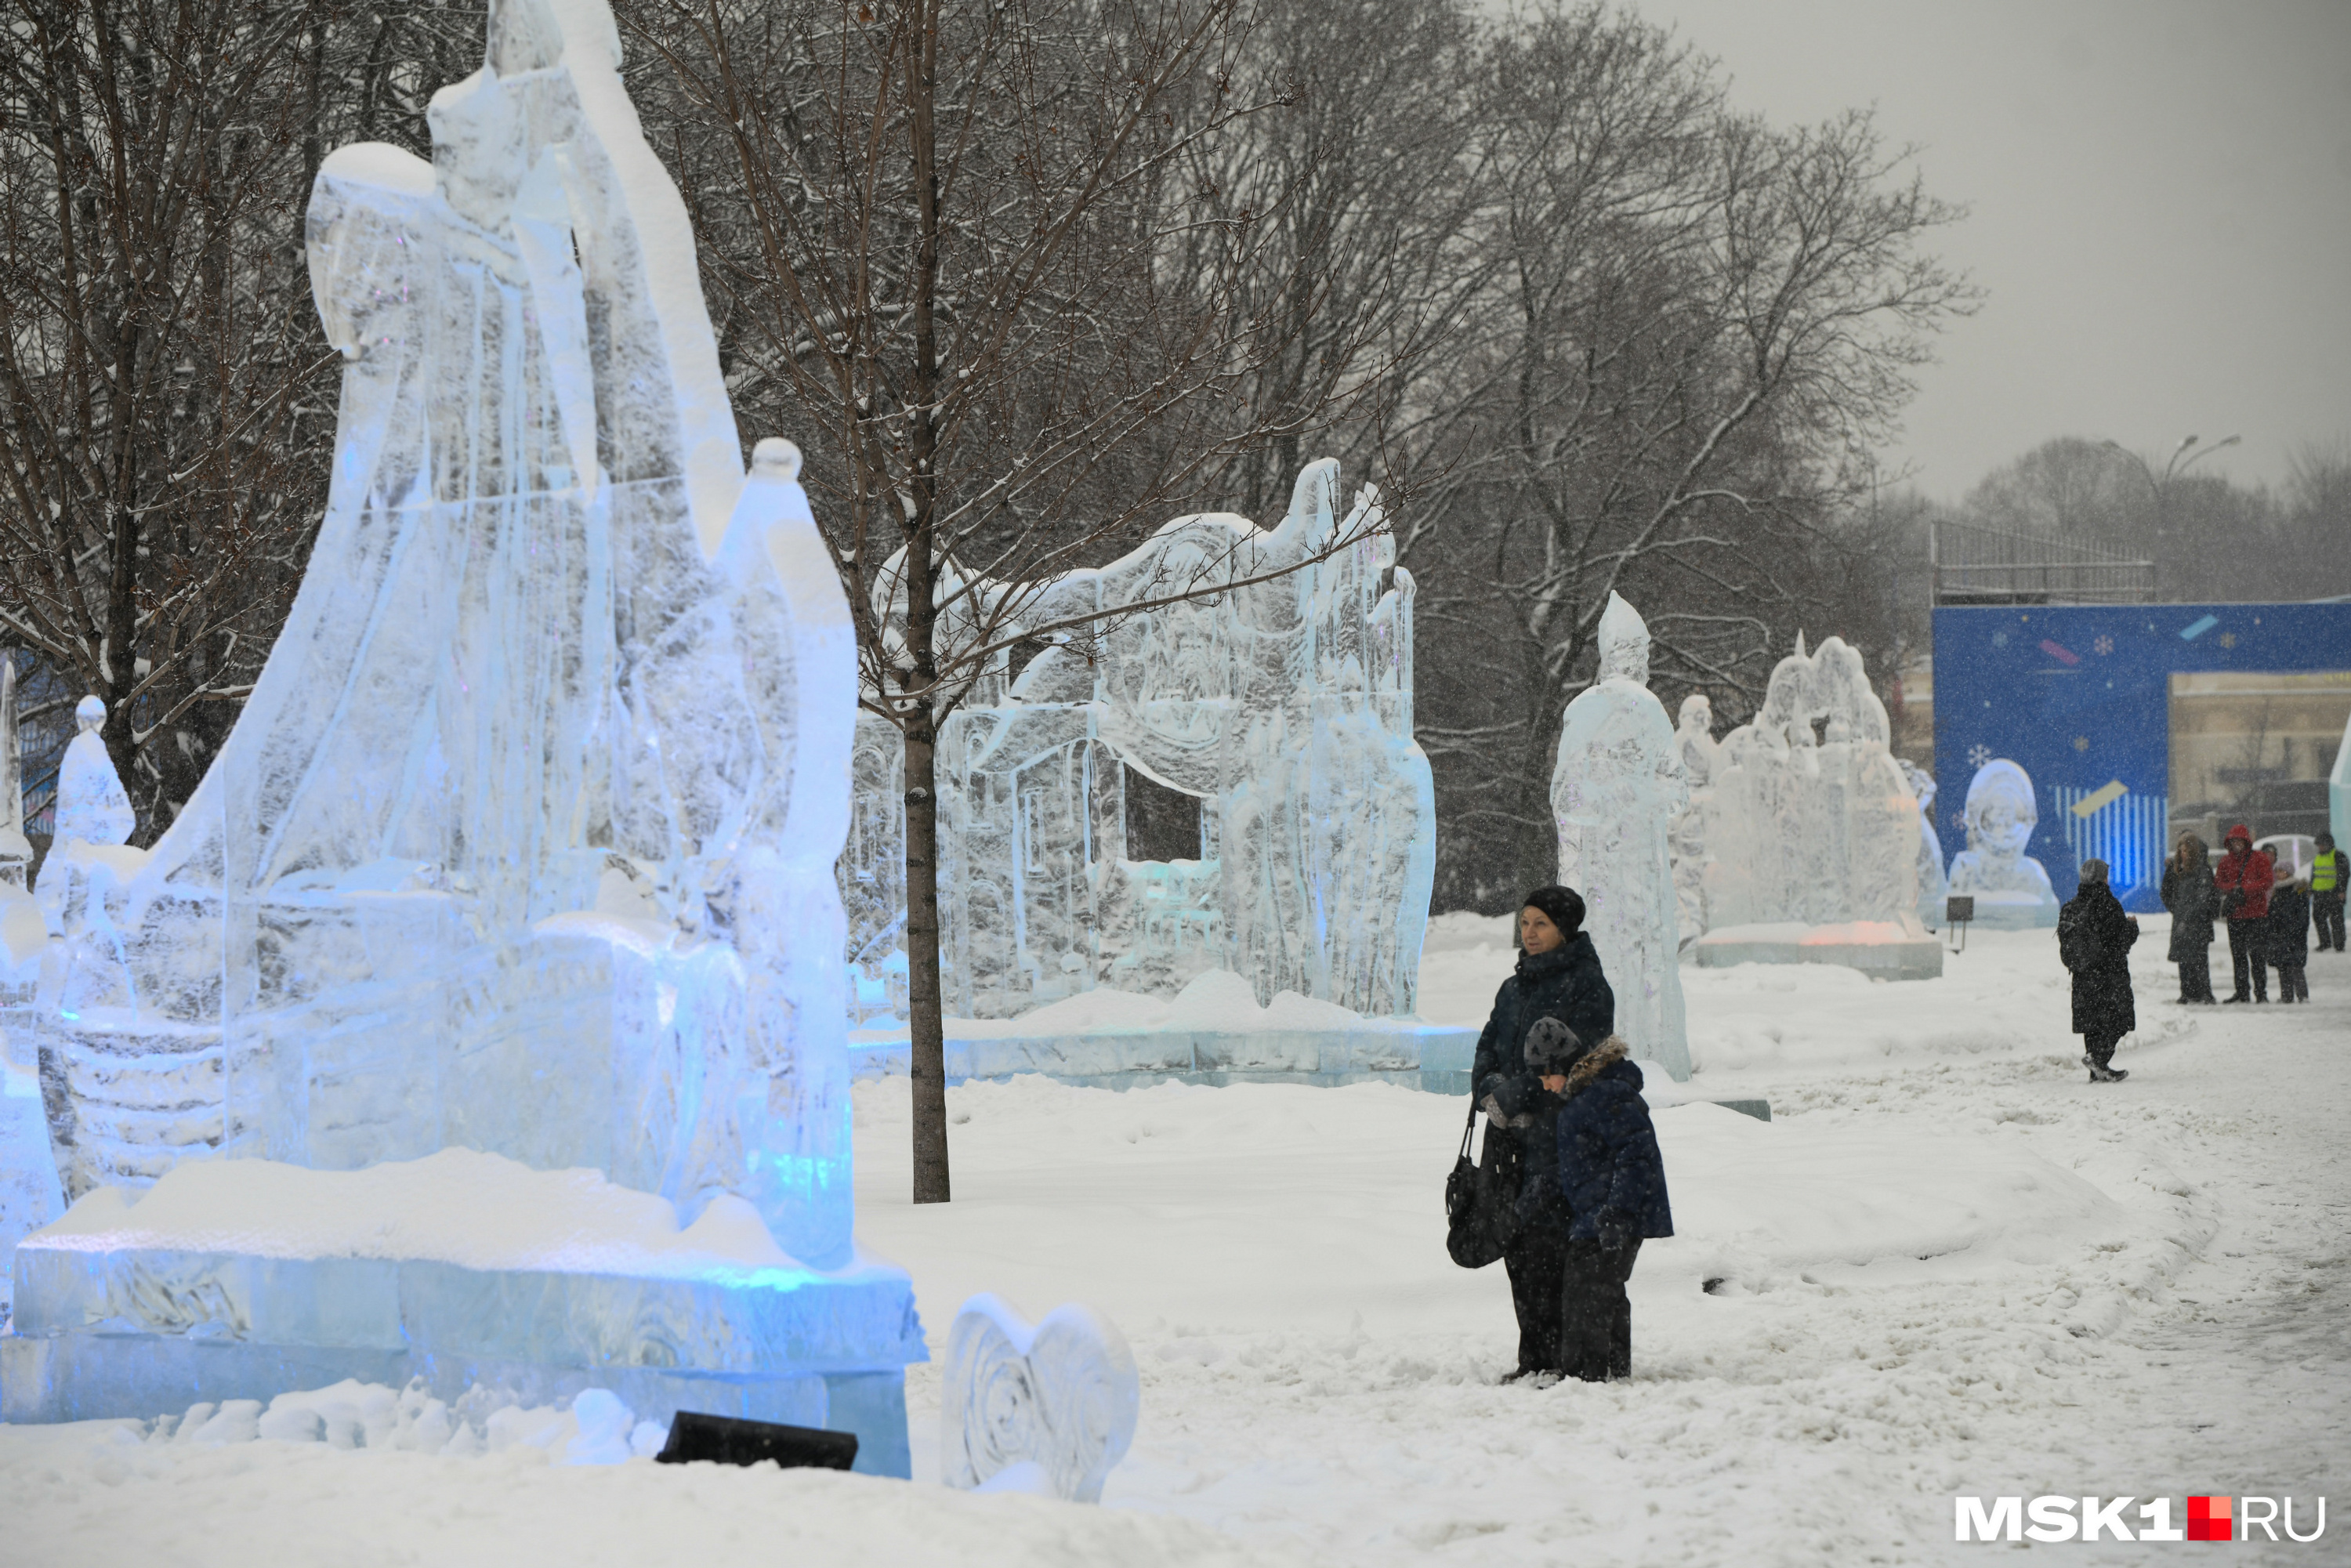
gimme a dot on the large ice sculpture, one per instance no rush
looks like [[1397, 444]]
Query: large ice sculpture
[[93, 805], [524, 842], [1812, 830], [2011, 888], [1283, 708], [1057, 1399], [1615, 792]]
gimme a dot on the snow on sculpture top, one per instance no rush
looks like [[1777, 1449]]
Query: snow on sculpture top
[[525, 839], [1814, 827], [1616, 791], [93, 805], [1283, 707], [2000, 817]]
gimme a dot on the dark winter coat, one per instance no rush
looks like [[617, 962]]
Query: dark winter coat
[[2195, 904], [1611, 1176], [2244, 877], [2093, 938], [1565, 983], [2289, 946]]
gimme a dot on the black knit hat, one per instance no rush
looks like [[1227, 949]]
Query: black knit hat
[[1563, 906]]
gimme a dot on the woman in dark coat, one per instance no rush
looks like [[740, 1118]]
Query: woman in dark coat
[[2195, 904], [2094, 941], [1612, 1183], [1558, 977]]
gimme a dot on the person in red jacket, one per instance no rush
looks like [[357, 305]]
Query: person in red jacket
[[2244, 878]]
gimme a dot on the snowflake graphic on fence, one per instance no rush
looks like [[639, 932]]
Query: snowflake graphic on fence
[[1979, 754], [2103, 644]]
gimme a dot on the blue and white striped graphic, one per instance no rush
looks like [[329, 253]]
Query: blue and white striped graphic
[[2127, 832]]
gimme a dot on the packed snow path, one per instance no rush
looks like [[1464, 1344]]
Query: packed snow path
[[2128, 1289]]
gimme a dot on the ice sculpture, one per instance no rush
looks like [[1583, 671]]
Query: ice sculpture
[[524, 842], [2011, 889], [1812, 830], [1057, 1399], [1695, 736], [93, 805], [1283, 708], [1616, 789], [1932, 884]]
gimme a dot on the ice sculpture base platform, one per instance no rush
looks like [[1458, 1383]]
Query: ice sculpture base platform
[[242, 1278], [1882, 949]]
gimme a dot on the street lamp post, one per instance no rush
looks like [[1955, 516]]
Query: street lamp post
[[2179, 462]]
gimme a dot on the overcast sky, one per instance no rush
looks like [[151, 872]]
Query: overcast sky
[[2161, 207]]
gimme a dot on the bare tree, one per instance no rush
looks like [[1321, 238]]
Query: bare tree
[[166, 412], [1700, 325], [963, 248]]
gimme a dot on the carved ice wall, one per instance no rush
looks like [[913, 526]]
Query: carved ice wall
[[1284, 707], [1818, 827], [525, 840]]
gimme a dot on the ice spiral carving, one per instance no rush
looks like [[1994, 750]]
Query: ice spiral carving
[[1061, 1395]]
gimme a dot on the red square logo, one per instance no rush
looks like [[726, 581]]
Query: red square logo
[[2208, 1519]]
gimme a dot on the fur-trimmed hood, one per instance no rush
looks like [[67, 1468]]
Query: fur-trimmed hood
[[1593, 1062]]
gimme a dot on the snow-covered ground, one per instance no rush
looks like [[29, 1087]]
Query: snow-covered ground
[[1949, 1264]]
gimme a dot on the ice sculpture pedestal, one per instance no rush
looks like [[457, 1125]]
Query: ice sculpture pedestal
[[1882, 949], [464, 1270]]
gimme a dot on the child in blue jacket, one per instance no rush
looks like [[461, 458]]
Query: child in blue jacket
[[1612, 1182]]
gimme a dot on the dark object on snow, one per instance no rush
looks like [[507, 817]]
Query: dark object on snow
[[2195, 905], [1480, 1218], [730, 1440], [2094, 943]]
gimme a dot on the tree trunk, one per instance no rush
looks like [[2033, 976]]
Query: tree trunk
[[928, 1067], [926, 1026]]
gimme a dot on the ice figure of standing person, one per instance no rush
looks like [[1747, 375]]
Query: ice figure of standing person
[[1699, 752], [2010, 887], [1615, 793], [1932, 884], [93, 805]]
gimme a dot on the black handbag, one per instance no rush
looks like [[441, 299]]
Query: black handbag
[[1481, 1214]]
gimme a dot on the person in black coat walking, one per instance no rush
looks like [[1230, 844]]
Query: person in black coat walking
[[1611, 1182], [2093, 941], [2195, 904], [1558, 977]]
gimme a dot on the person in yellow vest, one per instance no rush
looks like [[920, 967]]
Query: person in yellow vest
[[2326, 889]]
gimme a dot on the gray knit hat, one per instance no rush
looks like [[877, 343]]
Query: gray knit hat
[[1551, 1046]]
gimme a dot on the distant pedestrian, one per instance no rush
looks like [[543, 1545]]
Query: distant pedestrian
[[2289, 922], [2244, 877], [1612, 1182], [2094, 943], [1558, 977], [2194, 903], [2328, 880]]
